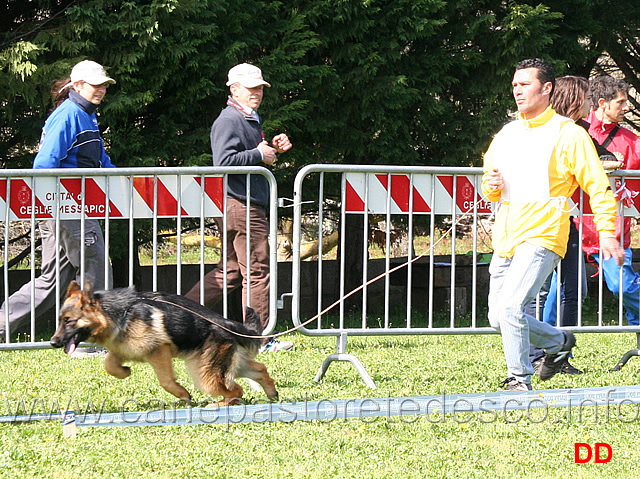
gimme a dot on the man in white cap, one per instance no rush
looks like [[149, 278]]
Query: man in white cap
[[237, 139]]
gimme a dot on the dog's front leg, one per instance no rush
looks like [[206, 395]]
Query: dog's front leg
[[113, 365], [160, 361]]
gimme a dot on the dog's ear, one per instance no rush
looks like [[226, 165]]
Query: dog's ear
[[88, 290], [73, 288]]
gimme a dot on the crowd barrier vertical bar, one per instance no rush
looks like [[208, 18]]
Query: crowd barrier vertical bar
[[83, 232], [225, 249], [365, 251], [5, 267], [273, 255], [108, 280], [410, 253], [32, 328], [57, 257], [296, 239], [432, 236], [452, 270], [343, 235], [474, 270], [248, 242], [581, 269], [179, 233], [387, 248], [620, 281], [154, 232], [224, 242], [320, 246], [132, 242]]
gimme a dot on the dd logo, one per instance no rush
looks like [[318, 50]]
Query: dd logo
[[599, 459]]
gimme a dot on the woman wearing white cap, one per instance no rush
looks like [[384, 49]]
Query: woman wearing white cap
[[70, 139]]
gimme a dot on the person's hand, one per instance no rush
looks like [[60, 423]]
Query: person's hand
[[268, 153], [495, 179], [610, 248], [281, 143]]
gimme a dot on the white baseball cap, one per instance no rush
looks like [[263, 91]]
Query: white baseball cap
[[91, 72], [248, 76]]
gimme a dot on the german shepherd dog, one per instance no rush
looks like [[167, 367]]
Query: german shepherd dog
[[156, 327]]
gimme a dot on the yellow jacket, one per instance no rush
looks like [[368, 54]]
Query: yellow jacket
[[543, 161]]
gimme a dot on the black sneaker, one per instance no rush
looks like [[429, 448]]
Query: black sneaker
[[567, 368], [552, 363], [513, 384], [536, 364]]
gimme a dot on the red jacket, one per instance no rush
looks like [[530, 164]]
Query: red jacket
[[626, 143]]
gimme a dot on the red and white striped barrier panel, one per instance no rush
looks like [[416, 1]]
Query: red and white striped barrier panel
[[430, 193], [436, 192], [40, 196], [628, 193]]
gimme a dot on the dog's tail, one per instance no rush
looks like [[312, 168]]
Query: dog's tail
[[252, 321]]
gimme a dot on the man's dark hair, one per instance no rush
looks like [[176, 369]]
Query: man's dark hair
[[546, 72], [606, 87]]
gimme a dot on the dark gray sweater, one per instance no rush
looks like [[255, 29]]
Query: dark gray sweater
[[234, 140]]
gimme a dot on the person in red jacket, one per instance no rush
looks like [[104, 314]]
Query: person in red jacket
[[609, 102]]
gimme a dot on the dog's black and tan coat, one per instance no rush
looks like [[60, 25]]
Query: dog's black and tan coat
[[156, 327]]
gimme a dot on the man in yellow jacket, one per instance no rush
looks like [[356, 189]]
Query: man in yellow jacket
[[531, 167]]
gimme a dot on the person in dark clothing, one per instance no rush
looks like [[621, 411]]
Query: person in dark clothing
[[237, 139]]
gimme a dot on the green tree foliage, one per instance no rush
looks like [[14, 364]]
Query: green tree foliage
[[169, 58], [359, 81], [415, 81]]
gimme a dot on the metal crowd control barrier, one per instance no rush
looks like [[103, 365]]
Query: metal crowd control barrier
[[416, 293], [167, 196]]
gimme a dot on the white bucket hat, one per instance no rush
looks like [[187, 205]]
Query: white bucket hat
[[248, 76], [91, 72]]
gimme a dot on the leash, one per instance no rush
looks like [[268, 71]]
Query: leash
[[354, 291]]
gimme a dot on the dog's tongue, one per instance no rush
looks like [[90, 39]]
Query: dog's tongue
[[71, 347]]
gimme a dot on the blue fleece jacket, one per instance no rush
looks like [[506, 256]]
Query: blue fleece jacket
[[71, 138]]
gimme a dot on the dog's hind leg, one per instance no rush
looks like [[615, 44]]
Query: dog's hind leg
[[113, 365], [160, 360], [210, 380], [258, 372], [231, 394], [213, 385]]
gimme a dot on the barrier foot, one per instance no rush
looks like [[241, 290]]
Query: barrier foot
[[342, 356], [628, 355], [353, 360]]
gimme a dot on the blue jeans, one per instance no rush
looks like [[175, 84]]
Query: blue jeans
[[630, 283], [569, 305], [513, 285], [569, 281]]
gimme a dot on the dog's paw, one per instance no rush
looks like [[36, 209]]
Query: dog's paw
[[121, 373]]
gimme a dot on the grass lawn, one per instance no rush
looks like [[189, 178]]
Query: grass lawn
[[474, 445]]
